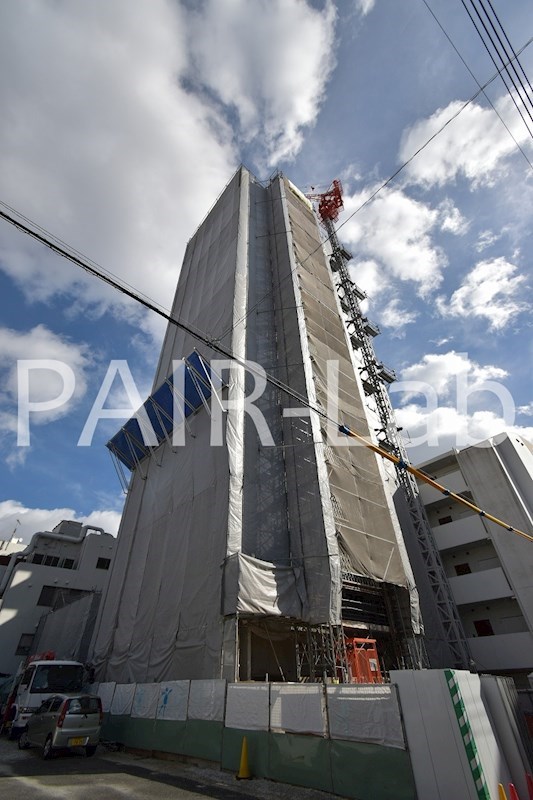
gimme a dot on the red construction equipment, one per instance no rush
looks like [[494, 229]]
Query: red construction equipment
[[330, 202], [363, 662]]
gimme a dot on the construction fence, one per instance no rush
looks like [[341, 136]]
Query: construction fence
[[346, 739]]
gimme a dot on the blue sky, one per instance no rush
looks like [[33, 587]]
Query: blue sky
[[123, 122]]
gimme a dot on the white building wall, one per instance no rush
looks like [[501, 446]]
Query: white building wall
[[19, 609], [497, 586]]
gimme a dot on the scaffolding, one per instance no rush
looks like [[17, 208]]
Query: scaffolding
[[375, 378]]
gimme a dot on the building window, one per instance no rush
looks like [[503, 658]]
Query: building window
[[4, 561], [445, 520], [483, 627], [462, 569], [68, 563], [47, 596], [51, 561], [103, 563], [24, 645], [37, 558]]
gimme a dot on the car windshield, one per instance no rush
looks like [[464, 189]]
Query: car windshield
[[57, 678]]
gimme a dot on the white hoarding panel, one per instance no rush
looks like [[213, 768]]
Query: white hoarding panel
[[247, 706], [207, 699], [145, 700], [123, 698], [365, 713], [299, 708], [105, 693], [173, 700]]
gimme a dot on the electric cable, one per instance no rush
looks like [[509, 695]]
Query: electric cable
[[511, 46], [506, 53], [213, 345], [379, 189], [504, 68], [487, 98]]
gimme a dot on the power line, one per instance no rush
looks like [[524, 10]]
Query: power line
[[519, 147], [105, 277], [380, 188], [505, 65]]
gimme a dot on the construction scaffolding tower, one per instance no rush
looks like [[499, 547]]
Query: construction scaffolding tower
[[375, 379]]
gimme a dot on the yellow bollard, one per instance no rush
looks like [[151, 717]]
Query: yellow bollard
[[501, 792], [244, 770]]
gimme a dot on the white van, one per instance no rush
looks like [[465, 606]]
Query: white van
[[40, 681]]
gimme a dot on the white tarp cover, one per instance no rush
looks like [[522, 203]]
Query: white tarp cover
[[247, 706], [207, 699], [161, 617], [145, 700], [173, 700], [252, 586], [298, 708], [123, 698], [105, 692], [365, 713]]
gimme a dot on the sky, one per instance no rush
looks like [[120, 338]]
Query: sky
[[121, 124]]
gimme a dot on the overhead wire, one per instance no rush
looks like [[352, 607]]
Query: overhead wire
[[503, 68], [511, 46], [75, 258], [450, 40], [526, 98], [380, 188]]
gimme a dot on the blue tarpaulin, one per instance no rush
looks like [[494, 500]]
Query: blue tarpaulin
[[182, 393]]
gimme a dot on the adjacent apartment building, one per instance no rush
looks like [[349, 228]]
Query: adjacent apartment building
[[489, 569], [59, 567]]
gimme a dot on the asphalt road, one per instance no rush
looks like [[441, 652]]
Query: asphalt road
[[24, 775]]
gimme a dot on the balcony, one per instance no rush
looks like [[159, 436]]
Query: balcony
[[453, 481], [459, 533], [506, 651], [480, 587]]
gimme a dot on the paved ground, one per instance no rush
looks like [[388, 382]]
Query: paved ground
[[24, 775]]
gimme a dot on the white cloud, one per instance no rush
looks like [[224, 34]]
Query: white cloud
[[364, 6], [33, 520], [492, 291], [395, 231], [395, 317], [449, 400], [451, 219], [442, 370], [439, 430], [474, 145], [486, 239], [38, 344], [269, 61], [101, 145]]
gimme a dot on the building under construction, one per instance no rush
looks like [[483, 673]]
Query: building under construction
[[256, 541]]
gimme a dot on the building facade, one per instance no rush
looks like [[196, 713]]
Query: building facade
[[489, 569], [59, 567], [241, 522]]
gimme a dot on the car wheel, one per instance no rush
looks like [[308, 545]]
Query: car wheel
[[23, 742], [90, 750], [48, 749]]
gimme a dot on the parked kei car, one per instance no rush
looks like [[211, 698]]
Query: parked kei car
[[64, 721]]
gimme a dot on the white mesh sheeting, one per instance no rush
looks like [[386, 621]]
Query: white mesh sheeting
[[299, 708], [365, 713], [247, 706]]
